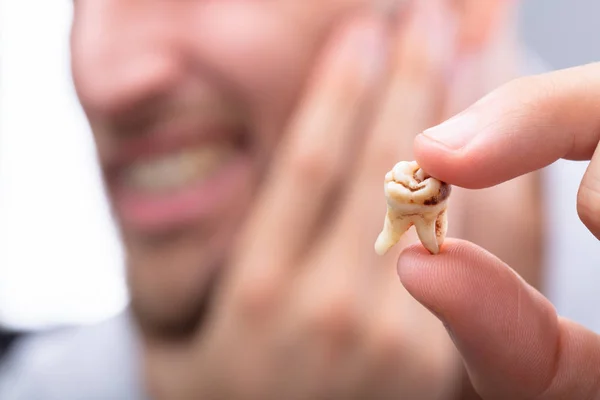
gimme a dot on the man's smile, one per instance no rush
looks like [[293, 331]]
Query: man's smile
[[167, 178]]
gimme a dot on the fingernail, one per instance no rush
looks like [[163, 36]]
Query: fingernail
[[456, 132]]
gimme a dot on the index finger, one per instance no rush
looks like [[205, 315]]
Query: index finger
[[521, 127]]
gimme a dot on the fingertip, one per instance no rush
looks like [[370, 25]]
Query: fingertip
[[410, 263], [443, 163], [491, 312], [430, 156], [424, 274]]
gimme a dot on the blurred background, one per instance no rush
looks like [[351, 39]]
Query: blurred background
[[60, 259]]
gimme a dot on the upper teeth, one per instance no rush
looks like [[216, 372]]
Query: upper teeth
[[176, 170]]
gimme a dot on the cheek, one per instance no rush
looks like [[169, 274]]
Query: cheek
[[261, 53]]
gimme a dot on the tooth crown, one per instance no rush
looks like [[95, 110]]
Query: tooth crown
[[408, 185], [414, 198]]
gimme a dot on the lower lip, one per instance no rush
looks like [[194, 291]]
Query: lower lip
[[159, 212]]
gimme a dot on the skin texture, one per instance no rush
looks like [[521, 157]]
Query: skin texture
[[512, 341], [320, 91]]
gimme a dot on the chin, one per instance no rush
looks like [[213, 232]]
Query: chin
[[173, 320], [172, 279], [173, 274]]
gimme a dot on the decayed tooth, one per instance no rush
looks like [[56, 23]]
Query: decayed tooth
[[414, 198]]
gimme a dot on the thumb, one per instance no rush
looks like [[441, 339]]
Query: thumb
[[513, 344], [520, 127]]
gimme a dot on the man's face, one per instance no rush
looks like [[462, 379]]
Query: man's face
[[187, 100]]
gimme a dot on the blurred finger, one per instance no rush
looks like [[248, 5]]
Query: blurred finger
[[311, 156], [410, 103]]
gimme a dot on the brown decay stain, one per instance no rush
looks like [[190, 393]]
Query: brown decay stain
[[441, 196], [438, 226], [409, 187], [403, 216]]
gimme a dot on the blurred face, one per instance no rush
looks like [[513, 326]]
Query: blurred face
[[187, 100]]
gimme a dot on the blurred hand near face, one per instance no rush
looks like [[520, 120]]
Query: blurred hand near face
[[308, 310]]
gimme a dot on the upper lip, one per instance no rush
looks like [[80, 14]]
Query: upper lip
[[168, 139]]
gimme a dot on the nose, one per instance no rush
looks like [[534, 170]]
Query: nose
[[122, 53]]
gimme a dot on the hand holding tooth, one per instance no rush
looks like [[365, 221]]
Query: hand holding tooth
[[414, 198]]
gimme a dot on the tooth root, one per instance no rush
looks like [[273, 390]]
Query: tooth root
[[427, 234], [393, 229]]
